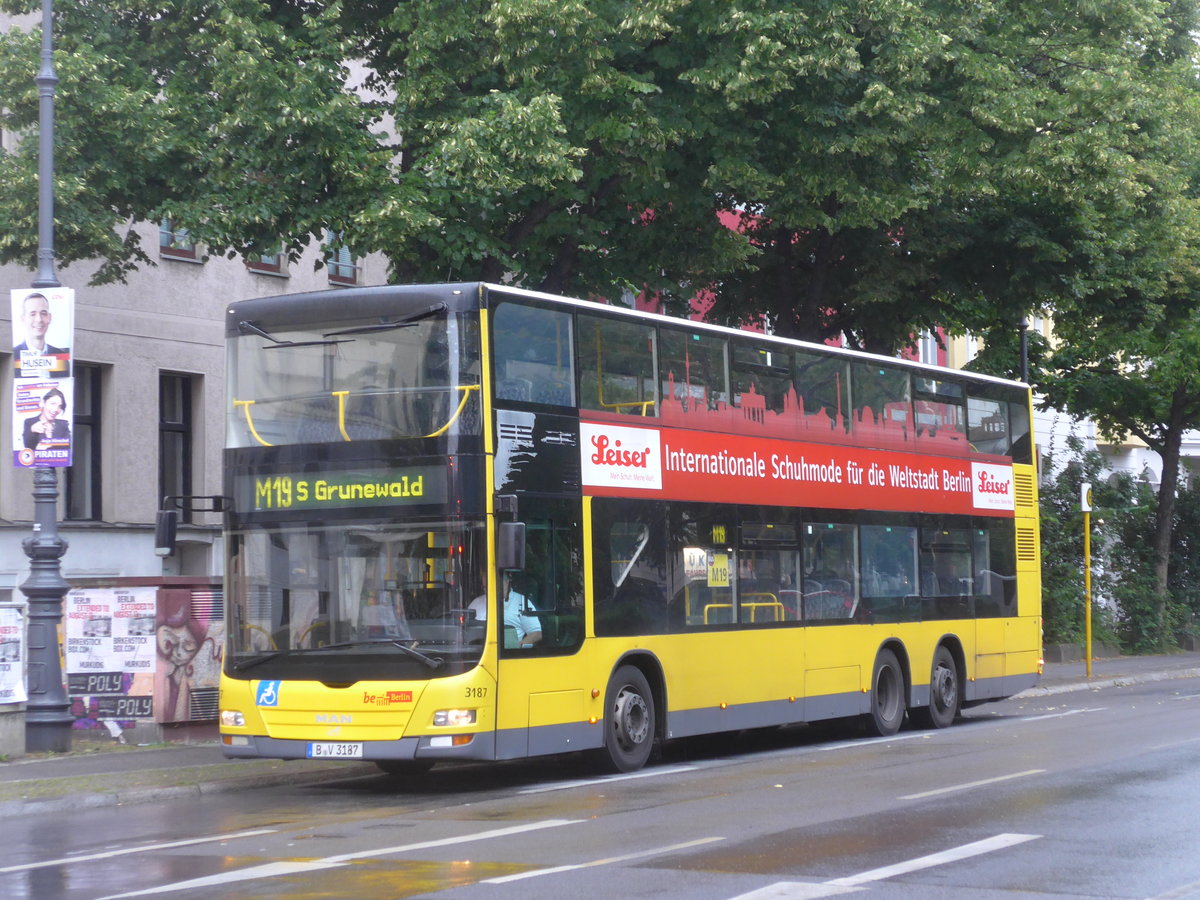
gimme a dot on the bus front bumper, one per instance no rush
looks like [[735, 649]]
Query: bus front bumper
[[480, 747]]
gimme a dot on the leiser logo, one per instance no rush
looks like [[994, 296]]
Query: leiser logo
[[616, 456], [991, 486]]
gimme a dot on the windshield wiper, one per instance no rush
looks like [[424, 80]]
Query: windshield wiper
[[258, 660], [433, 662], [247, 327], [402, 322]]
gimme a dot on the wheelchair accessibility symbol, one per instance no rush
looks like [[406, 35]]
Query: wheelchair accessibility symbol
[[267, 693]]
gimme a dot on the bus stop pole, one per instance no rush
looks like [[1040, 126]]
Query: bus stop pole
[[1085, 502]]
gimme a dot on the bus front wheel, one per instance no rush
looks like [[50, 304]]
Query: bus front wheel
[[629, 722], [887, 695]]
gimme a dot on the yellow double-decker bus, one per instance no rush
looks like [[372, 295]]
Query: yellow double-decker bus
[[468, 522]]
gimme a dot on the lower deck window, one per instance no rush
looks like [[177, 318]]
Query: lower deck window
[[664, 568]]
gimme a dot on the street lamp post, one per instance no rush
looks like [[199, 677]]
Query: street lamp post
[[48, 716]]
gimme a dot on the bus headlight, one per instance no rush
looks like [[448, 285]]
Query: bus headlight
[[232, 718], [454, 718]]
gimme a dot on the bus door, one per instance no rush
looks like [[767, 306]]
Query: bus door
[[543, 688]]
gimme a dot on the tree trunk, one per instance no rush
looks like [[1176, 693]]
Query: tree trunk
[[1164, 520]]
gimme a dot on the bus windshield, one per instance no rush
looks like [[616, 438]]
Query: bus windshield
[[336, 603], [406, 376]]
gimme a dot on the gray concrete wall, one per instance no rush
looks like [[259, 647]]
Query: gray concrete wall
[[167, 318]]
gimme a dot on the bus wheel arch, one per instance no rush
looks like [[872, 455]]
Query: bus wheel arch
[[634, 702], [890, 685]]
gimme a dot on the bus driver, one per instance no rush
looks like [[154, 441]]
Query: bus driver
[[528, 628]]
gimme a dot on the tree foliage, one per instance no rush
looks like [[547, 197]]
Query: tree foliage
[[895, 166]]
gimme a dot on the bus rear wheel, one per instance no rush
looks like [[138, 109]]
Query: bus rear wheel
[[887, 695], [944, 696], [629, 722]]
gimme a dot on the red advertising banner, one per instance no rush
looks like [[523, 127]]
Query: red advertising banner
[[697, 465]]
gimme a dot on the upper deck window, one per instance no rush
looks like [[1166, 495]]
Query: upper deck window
[[616, 366], [354, 380], [532, 349], [693, 371], [882, 400]]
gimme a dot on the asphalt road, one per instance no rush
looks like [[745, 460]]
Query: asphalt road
[[1089, 793]]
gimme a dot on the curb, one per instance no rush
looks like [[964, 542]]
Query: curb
[[1114, 681], [101, 800]]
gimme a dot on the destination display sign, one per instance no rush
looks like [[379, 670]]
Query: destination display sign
[[404, 485]]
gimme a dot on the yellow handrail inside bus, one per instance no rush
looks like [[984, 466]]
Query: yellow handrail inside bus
[[773, 604], [466, 393], [464, 389], [341, 398], [245, 405], [600, 385], [708, 606]]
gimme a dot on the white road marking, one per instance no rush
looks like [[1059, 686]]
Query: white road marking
[[641, 854], [954, 788], [966, 851], [799, 890], [1187, 890], [1062, 715], [268, 870], [867, 742], [463, 839], [585, 782], [271, 870], [146, 848]]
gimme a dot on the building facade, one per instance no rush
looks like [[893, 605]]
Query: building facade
[[148, 408]]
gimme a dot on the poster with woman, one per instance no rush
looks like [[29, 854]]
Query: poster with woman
[[42, 422]]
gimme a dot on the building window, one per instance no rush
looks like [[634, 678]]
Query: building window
[[268, 263], [339, 261], [176, 243], [928, 350], [175, 438], [82, 491]]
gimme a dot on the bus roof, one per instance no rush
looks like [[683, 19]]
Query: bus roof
[[356, 302]]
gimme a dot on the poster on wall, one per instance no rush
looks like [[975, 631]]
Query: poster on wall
[[191, 638], [12, 655], [110, 652], [43, 325]]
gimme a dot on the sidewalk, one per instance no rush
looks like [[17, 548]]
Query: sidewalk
[[98, 774]]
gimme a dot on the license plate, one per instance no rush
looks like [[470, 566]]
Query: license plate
[[330, 750]]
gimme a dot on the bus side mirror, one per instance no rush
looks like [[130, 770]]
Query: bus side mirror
[[164, 532], [510, 546]]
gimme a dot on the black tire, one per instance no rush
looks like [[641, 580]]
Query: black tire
[[945, 696], [887, 695], [629, 721], [404, 768]]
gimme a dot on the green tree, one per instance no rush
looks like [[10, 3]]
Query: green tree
[[231, 118], [904, 166], [1063, 596], [1126, 344], [892, 162], [1137, 378]]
